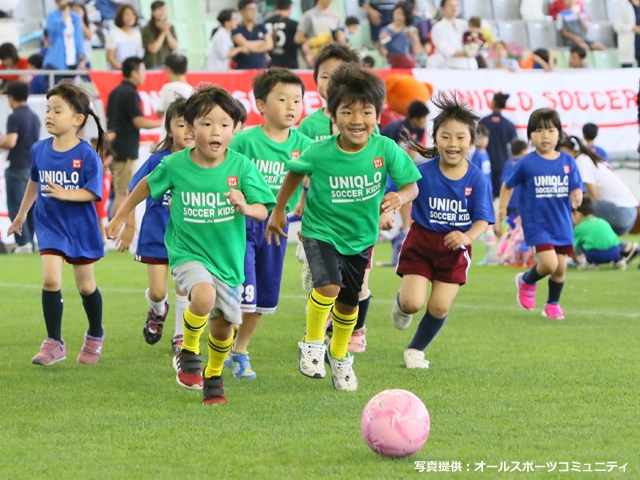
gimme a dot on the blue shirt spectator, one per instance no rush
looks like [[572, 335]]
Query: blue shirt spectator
[[67, 40]]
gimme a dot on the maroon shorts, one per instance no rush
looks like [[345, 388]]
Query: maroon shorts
[[370, 254], [560, 249], [424, 253], [69, 260], [151, 260]]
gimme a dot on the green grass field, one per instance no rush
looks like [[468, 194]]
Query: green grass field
[[504, 385]]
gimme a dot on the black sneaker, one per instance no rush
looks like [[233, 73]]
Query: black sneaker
[[633, 253], [152, 330], [213, 391]]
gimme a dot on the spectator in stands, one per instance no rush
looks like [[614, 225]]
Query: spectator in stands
[[11, 61], [312, 47], [88, 30], [379, 13], [317, 21], [283, 30], [474, 41], [573, 27], [399, 41], [589, 133], [558, 6], [368, 62], [23, 130], [446, 36], [39, 83], [222, 49], [626, 23], [500, 59], [501, 133], [124, 40], [107, 9], [67, 40], [124, 121], [540, 59], [415, 124], [426, 50], [253, 36], [159, 37], [532, 10], [577, 57], [176, 66]]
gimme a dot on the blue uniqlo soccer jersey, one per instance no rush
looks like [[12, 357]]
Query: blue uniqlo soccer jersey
[[506, 173], [444, 205], [71, 227], [483, 162], [544, 203], [156, 215]]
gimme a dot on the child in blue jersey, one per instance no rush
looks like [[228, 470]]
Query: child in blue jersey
[[518, 151], [452, 210], [66, 178], [480, 157], [550, 187], [151, 248]]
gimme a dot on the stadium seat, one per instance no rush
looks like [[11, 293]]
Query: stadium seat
[[362, 38], [477, 8], [513, 32], [606, 59], [197, 60], [189, 10], [602, 32], [99, 59], [145, 8], [596, 9], [562, 59], [542, 34], [191, 36], [506, 9], [209, 26]]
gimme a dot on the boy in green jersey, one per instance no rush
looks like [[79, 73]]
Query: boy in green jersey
[[213, 189], [343, 206], [271, 147]]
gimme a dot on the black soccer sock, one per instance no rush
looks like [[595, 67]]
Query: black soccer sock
[[555, 290], [427, 331], [52, 307], [363, 308], [93, 307], [532, 276]]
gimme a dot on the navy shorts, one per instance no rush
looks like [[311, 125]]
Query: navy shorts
[[603, 256], [262, 270]]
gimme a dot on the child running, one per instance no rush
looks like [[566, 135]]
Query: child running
[[66, 178], [453, 209], [212, 188], [271, 147], [348, 175], [550, 188], [151, 248]]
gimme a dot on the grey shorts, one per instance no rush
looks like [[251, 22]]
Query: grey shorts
[[187, 275]]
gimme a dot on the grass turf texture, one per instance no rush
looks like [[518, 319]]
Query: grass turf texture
[[504, 385]]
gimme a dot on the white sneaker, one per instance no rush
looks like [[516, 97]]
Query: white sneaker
[[342, 374], [620, 264], [400, 319], [312, 359], [26, 248], [415, 359]]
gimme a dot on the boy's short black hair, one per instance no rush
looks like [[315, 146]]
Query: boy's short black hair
[[417, 109], [586, 208], [543, 53], [242, 4], [131, 65], [582, 53], [475, 22], [177, 63], [482, 131], [590, 131], [283, 4], [205, 99], [8, 50], [17, 90], [352, 21], [352, 84], [500, 100], [243, 112], [156, 5], [36, 60], [368, 62], [518, 147], [334, 51], [265, 82]]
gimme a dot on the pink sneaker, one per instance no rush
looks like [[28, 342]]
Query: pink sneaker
[[358, 342], [51, 351], [91, 350], [553, 312], [526, 293]]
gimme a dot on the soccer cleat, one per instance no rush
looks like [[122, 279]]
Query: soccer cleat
[[27, 248], [633, 253], [312, 359], [152, 330], [415, 359], [213, 391], [553, 312], [188, 367], [176, 343], [240, 365], [91, 350], [358, 341], [342, 374], [400, 319], [526, 293], [51, 351]]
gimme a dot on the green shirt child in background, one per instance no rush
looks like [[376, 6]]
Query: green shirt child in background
[[213, 189], [346, 195]]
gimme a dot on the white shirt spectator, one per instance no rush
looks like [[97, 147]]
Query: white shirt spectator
[[446, 36], [171, 91], [125, 44], [624, 22], [611, 188], [532, 10], [315, 22], [221, 44], [69, 41]]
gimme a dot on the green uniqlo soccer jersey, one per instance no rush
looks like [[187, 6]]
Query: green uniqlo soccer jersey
[[594, 233], [346, 190], [317, 126], [271, 157], [203, 226]]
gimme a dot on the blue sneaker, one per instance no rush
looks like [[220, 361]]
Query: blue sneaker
[[240, 365]]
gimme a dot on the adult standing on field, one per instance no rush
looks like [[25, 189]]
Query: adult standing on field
[[253, 37], [283, 30], [158, 37]]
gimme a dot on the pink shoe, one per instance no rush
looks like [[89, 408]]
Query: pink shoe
[[91, 350], [526, 293], [358, 342], [51, 351], [553, 312]]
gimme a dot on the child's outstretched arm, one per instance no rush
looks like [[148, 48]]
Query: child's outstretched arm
[[456, 239], [139, 193], [278, 219], [392, 201], [255, 211], [30, 196], [55, 190], [576, 198], [123, 242], [503, 204]]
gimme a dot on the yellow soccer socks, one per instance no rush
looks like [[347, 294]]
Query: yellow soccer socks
[[193, 328], [343, 326], [318, 310], [218, 351]]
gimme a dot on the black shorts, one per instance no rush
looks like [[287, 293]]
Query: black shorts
[[330, 267]]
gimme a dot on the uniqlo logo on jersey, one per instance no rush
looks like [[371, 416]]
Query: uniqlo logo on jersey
[[232, 181], [567, 169], [468, 191], [378, 162], [295, 154], [77, 163]]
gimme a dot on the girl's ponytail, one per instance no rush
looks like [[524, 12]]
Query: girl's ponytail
[[102, 140], [585, 150]]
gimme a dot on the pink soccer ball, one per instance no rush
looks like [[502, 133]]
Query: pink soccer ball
[[395, 423]]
